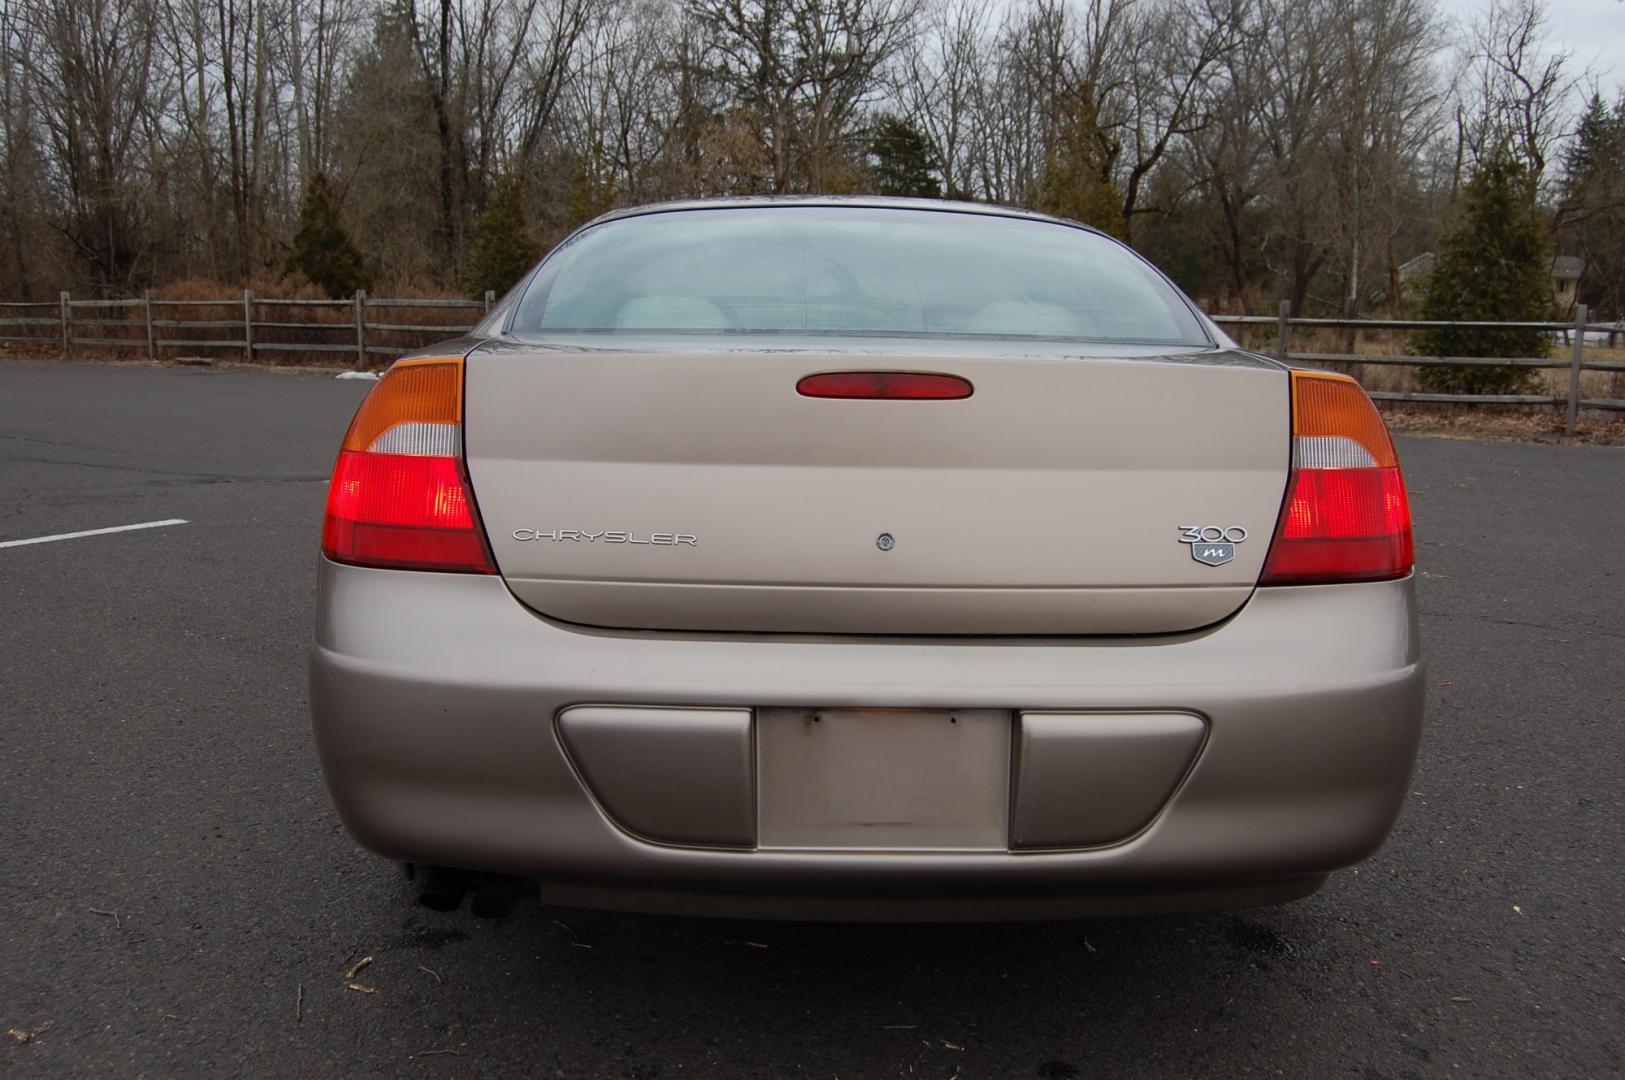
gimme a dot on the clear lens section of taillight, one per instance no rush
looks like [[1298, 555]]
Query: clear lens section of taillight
[[1346, 516], [399, 496]]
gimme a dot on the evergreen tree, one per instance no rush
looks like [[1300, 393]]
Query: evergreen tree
[[589, 195], [1077, 181], [1593, 211], [322, 250], [504, 249], [1595, 142], [902, 160], [1494, 265]]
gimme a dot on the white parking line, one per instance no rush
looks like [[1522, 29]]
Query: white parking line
[[93, 532]]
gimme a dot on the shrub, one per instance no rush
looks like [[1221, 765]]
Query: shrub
[[322, 250], [1493, 266], [1076, 180], [902, 160], [504, 249]]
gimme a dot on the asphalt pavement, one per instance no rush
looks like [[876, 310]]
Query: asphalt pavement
[[177, 897]]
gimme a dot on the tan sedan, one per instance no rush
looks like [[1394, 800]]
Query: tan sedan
[[865, 558]]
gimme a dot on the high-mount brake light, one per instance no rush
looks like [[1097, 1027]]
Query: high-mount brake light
[[1346, 516], [399, 495], [885, 385]]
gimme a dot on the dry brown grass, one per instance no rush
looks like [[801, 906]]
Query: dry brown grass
[[1538, 423], [1552, 381], [1503, 423], [111, 334]]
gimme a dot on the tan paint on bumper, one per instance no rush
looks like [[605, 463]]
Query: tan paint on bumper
[[434, 696]]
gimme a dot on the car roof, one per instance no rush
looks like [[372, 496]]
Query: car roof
[[875, 202]]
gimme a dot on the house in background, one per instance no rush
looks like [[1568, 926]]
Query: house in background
[[1565, 272]]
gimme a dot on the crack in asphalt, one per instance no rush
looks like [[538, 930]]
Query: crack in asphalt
[[1519, 622], [59, 442]]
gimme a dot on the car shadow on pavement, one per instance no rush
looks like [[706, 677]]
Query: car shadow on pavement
[[647, 996]]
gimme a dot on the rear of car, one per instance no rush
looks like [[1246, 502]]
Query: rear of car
[[865, 559]]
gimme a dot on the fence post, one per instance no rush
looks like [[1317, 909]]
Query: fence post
[[67, 341], [1576, 358], [146, 304], [490, 298], [1283, 333], [248, 325], [361, 329]]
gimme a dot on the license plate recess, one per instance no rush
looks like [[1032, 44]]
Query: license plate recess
[[883, 779]]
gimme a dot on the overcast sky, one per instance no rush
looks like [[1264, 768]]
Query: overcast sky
[[1593, 30]]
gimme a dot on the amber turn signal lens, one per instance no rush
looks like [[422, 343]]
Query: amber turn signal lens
[[428, 391], [1331, 413]]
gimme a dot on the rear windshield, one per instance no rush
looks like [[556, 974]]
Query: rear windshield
[[853, 271]]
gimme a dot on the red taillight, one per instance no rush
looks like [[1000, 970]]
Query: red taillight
[[1342, 525], [1346, 516], [892, 385], [399, 498], [397, 510]]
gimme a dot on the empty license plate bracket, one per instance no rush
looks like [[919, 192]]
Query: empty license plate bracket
[[883, 779]]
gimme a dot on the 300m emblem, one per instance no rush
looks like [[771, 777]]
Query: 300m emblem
[[1212, 544]]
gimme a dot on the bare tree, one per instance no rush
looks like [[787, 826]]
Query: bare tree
[[1228, 157], [1178, 52], [1295, 58], [189, 52], [1517, 93], [242, 51], [1383, 114], [802, 69], [940, 84], [320, 49], [495, 70], [20, 152], [92, 77], [546, 68]]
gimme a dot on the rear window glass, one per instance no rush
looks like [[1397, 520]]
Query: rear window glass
[[853, 271]]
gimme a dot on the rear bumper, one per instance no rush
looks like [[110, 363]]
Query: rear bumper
[[435, 700]]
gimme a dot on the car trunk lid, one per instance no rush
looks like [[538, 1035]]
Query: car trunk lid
[[696, 489]]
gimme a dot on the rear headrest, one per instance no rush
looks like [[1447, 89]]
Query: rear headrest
[[670, 313], [1023, 317]]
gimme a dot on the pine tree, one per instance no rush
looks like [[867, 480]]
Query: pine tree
[[1594, 142], [1494, 265], [902, 160], [322, 250], [1593, 211], [589, 195], [1076, 181], [504, 249]]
